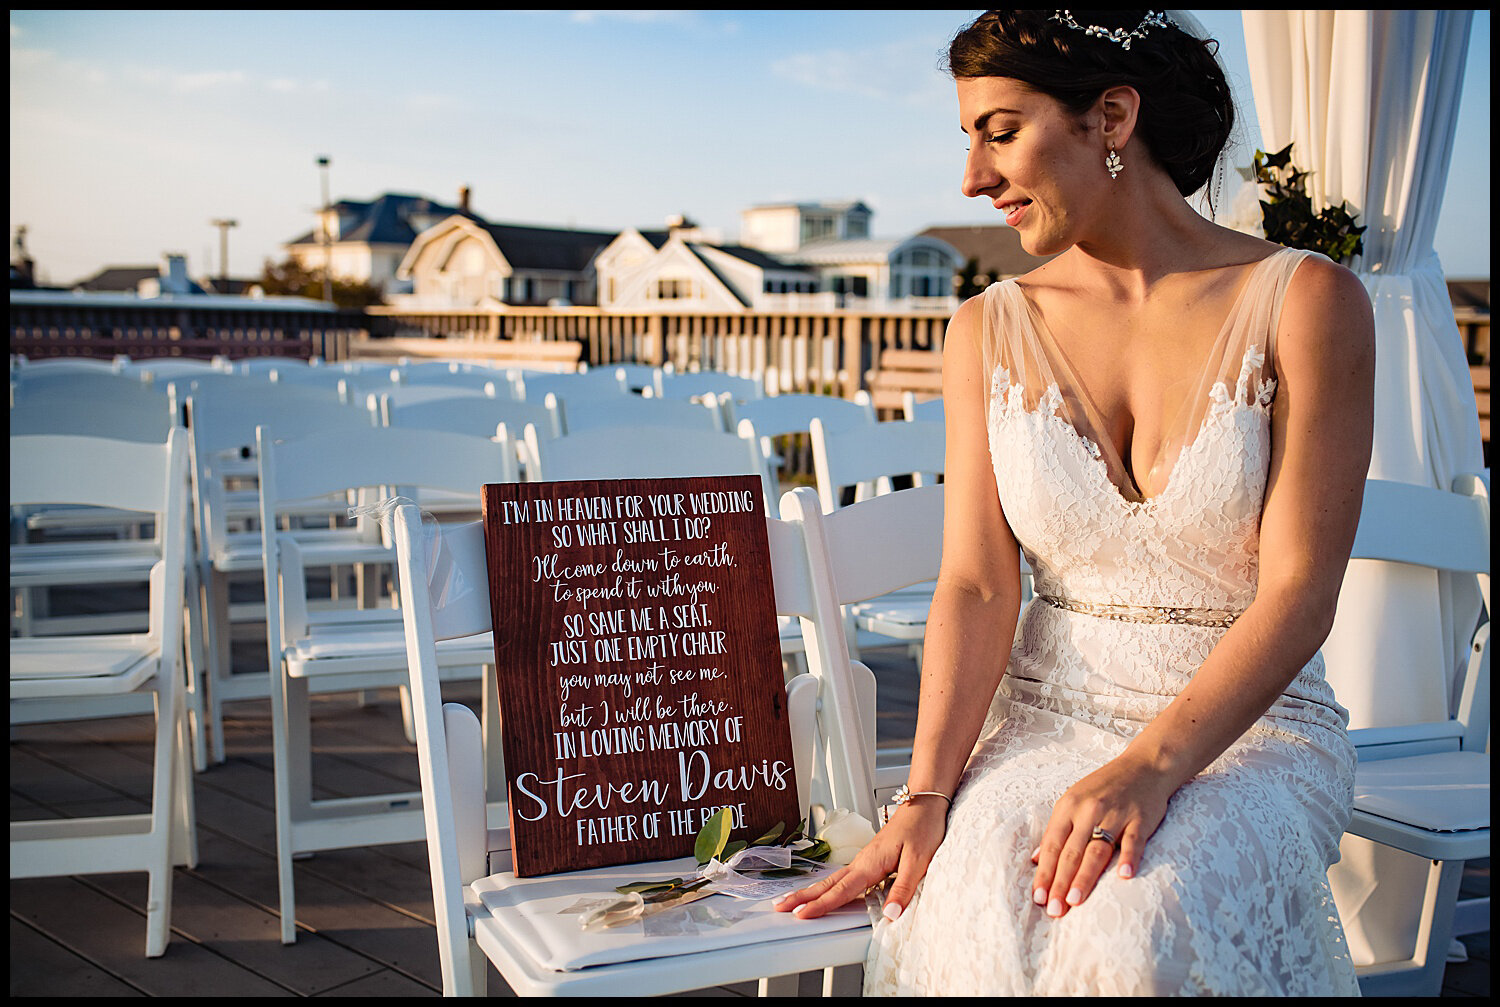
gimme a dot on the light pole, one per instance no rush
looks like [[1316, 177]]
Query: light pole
[[224, 224], [324, 236]]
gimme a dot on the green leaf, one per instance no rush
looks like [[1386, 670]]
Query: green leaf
[[733, 848], [819, 851], [783, 872], [770, 836], [712, 837], [648, 886]]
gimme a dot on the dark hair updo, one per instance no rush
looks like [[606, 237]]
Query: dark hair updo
[[1187, 109]]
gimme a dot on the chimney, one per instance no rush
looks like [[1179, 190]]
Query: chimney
[[174, 278], [463, 199]]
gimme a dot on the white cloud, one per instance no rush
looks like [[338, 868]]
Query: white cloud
[[900, 71]]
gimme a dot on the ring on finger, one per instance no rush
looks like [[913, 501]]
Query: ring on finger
[[1100, 832]]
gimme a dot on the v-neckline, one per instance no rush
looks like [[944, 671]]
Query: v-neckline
[[1082, 392]]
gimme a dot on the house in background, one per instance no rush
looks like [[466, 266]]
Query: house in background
[[855, 270], [171, 277], [463, 261], [812, 257], [367, 241], [994, 251], [689, 269]]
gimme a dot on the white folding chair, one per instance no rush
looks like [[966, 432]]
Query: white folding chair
[[222, 418], [534, 386], [64, 678], [344, 650], [873, 549], [783, 418], [869, 456], [622, 453], [926, 409], [1425, 788], [484, 915], [594, 411], [691, 384]]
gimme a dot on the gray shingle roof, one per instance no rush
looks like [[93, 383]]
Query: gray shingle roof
[[386, 220], [118, 278], [550, 248]]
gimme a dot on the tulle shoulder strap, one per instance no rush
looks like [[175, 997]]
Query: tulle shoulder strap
[[1256, 315], [1011, 339]]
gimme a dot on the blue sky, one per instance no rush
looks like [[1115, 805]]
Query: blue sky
[[130, 131]]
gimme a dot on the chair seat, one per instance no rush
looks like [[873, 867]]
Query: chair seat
[[370, 646], [49, 667], [1440, 792], [320, 547], [532, 921], [902, 614], [112, 562]]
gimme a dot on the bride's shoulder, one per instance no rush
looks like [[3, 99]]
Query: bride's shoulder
[[1325, 315]]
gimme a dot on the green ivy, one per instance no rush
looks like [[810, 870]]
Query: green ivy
[[1287, 212]]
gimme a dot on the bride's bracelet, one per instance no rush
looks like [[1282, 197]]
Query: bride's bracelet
[[905, 795]]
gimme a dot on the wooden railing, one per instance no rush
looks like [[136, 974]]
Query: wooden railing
[[48, 324], [803, 352]]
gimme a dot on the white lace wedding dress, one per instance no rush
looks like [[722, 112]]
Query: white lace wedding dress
[[1232, 895]]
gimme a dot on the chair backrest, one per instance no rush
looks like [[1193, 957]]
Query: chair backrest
[[59, 379], [222, 425], [1447, 531], [383, 461], [687, 385], [643, 452], [927, 409], [131, 416], [118, 475], [594, 411], [454, 375], [534, 386], [468, 414], [777, 415], [405, 394], [867, 454]]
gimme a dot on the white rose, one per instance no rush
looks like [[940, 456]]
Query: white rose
[[846, 833]]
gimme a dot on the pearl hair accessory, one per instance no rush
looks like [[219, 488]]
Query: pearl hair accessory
[[1153, 19]]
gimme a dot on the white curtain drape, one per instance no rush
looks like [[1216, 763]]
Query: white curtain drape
[[1369, 99]]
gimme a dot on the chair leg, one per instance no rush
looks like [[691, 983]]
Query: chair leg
[[290, 733], [164, 776], [777, 986], [1422, 974], [185, 812], [215, 587], [195, 669], [844, 981], [408, 724]]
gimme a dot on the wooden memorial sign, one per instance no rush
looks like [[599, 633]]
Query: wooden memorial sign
[[639, 666]]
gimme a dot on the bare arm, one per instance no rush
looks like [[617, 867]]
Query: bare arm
[[969, 630], [1321, 436]]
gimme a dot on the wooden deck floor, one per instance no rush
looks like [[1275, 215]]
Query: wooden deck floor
[[364, 916]]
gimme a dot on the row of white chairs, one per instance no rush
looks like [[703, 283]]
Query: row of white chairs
[[1420, 788]]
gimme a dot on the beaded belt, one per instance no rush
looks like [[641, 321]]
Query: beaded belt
[[1214, 617]]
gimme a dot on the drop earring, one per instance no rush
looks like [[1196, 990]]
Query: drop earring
[[1113, 164]]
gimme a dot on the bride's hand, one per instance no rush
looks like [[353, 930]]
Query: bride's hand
[[1122, 798], [904, 848]]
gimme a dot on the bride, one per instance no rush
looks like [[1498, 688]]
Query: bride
[[1173, 422]]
